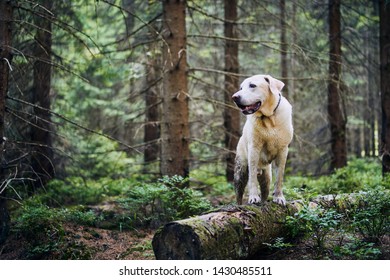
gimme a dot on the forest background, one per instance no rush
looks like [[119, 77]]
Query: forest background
[[120, 112]]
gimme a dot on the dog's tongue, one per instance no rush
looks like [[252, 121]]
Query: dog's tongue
[[250, 109]]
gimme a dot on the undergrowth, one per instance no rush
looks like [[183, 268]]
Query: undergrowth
[[358, 175], [158, 203], [141, 201], [354, 232], [43, 229], [41, 218]]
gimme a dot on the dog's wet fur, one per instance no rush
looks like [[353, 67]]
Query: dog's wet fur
[[266, 135]]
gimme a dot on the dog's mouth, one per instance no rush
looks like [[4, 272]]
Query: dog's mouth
[[249, 109]]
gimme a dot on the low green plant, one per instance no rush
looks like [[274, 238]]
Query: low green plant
[[314, 223], [81, 191], [78, 215], [43, 229], [371, 218], [359, 175], [358, 250], [38, 222], [166, 200], [279, 244]]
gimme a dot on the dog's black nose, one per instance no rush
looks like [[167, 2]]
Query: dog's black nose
[[236, 98]]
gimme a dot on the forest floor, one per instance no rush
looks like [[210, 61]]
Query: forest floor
[[93, 243], [109, 219], [89, 243], [101, 244]]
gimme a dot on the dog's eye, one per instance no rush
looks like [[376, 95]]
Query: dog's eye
[[240, 88], [252, 85]]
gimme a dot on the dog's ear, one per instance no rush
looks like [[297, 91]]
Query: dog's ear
[[269, 105], [275, 85]]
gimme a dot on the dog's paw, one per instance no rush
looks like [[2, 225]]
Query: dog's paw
[[254, 199], [280, 200]]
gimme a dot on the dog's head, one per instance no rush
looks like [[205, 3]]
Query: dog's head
[[258, 93]]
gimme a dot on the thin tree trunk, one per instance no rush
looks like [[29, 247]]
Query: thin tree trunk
[[370, 119], [336, 114], [152, 102], [385, 83], [231, 114], [373, 107], [42, 161], [357, 145], [152, 126], [369, 112], [283, 48], [294, 57], [175, 151], [5, 64]]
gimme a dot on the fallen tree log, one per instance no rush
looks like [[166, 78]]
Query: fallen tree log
[[232, 232]]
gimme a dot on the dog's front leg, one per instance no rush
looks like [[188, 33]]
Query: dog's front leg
[[280, 163], [265, 178], [253, 163], [240, 177]]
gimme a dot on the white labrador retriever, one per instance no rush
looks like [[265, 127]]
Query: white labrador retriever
[[266, 135]]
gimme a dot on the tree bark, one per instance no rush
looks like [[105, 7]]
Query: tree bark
[[231, 114], [385, 83], [175, 151], [336, 114], [152, 98], [152, 103], [6, 11], [370, 113], [42, 160], [233, 232]]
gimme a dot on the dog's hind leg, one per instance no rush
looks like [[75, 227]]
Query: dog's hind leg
[[265, 178], [240, 179]]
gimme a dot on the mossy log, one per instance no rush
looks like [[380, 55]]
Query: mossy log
[[232, 232]]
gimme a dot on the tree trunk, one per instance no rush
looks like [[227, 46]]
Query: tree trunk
[[231, 114], [385, 83], [283, 48], [336, 114], [152, 126], [175, 151], [233, 232], [42, 161], [358, 142], [294, 57], [152, 103], [369, 111], [5, 64]]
